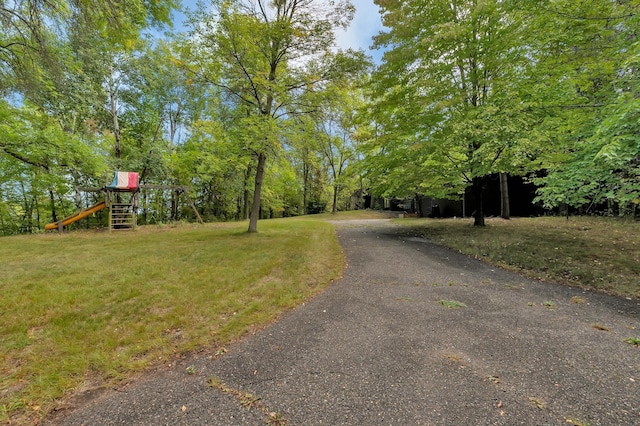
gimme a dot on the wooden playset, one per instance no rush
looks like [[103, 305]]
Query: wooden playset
[[121, 197]]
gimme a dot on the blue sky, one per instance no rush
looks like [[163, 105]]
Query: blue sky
[[364, 26]]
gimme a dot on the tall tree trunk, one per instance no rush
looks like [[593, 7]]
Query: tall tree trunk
[[174, 205], [114, 114], [53, 206], [305, 178], [335, 199], [24, 227], [418, 202], [477, 188], [505, 210], [145, 208], [37, 214], [255, 208], [246, 193]]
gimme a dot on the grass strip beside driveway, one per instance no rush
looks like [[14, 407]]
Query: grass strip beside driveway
[[595, 253]]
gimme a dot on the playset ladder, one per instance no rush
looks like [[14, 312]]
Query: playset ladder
[[122, 216]]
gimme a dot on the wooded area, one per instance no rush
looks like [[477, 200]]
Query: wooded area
[[256, 111]]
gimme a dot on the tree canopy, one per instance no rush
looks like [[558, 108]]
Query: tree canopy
[[259, 114], [470, 88]]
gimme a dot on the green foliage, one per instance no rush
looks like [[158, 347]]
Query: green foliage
[[471, 88], [215, 166], [64, 62], [248, 50], [336, 126], [38, 156], [198, 110], [543, 88], [586, 77], [32, 31], [282, 194], [302, 140], [445, 98], [36, 139]]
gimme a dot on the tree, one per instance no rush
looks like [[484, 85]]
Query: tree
[[255, 52], [39, 154], [52, 84], [337, 127], [213, 164], [159, 103], [301, 136], [586, 77], [505, 209], [445, 100], [30, 32]]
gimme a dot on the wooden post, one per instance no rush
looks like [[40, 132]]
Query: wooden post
[[134, 208], [193, 206], [107, 202]]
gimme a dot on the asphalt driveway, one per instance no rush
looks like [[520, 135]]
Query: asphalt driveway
[[379, 347]]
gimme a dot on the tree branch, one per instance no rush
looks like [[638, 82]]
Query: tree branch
[[570, 106], [24, 159], [589, 18]]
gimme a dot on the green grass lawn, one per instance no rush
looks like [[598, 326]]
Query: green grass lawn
[[96, 307], [597, 253]]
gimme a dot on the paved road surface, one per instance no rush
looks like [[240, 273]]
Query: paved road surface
[[377, 348]]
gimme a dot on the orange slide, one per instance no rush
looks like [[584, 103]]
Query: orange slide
[[76, 216]]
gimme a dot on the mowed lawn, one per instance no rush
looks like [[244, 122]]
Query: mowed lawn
[[595, 253], [89, 308]]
